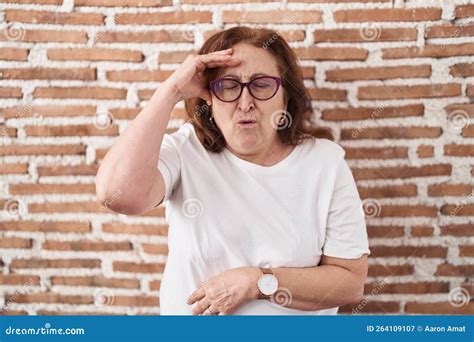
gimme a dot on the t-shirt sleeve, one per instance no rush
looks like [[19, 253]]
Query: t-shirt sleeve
[[346, 232], [169, 164]]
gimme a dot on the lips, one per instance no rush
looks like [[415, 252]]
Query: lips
[[246, 121]]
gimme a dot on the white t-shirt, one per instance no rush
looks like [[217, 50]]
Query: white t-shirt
[[224, 212]]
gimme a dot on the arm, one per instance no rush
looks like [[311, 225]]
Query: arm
[[335, 282], [128, 180]]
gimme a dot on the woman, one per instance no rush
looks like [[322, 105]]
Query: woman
[[263, 211]]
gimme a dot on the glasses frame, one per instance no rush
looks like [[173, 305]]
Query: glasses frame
[[213, 83]]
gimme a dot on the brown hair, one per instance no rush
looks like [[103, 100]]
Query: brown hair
[[299, 102]]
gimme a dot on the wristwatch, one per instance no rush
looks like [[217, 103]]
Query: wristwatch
[[267, 283]]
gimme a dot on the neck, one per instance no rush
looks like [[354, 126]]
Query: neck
[[266, 156]]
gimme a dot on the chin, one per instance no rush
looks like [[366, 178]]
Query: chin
[[243, 144], [247, 146], [246, 138]]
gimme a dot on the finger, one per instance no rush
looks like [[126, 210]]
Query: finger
[[201, 306], [214, 58], [219, 52], [196, 295], [207, 312], [203, 61], [230, 62]]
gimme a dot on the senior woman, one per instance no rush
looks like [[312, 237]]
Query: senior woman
[[263, 211]]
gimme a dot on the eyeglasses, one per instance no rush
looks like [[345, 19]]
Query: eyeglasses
[[262, 88]]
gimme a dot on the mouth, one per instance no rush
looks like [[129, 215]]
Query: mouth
[[247, 123]]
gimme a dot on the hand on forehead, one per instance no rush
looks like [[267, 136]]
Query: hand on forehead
[[253, 62]]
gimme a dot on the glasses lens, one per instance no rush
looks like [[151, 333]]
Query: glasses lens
[[227, 90], [263, 88]]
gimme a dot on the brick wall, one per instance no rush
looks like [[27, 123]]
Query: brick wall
[[393, 79]]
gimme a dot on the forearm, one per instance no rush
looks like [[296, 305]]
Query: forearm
[[317, 288], [134, 155]]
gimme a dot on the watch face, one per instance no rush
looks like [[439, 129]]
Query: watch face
[[268, 284]]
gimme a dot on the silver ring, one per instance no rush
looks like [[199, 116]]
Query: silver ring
[[212, 313]]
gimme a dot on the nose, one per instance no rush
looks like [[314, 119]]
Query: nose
[[246, 101]]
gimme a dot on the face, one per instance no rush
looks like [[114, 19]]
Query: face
[[255, 138]]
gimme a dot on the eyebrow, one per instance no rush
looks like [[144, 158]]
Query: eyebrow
[[238, 77]]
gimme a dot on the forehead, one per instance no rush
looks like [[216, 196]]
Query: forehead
[[253, 60]]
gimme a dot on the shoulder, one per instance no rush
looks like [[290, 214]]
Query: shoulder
[[179, 137], [326, 150]]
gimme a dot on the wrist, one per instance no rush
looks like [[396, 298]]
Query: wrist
[[254, 275], [170, 91]]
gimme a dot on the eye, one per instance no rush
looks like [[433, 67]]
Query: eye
[[229, 86], [261, 84]]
